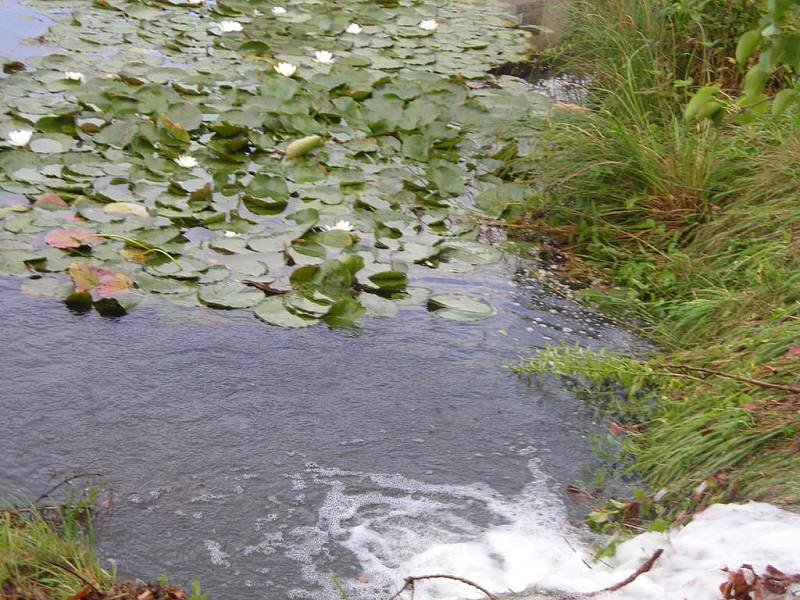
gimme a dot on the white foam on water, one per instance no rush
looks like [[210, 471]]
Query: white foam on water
[[404, 527], [724, 535]]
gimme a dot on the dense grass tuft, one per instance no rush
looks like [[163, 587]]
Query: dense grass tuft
[[48, 553]]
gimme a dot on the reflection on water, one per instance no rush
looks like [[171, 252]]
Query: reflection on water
[[18, 25]]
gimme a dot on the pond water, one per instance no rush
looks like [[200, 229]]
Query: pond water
[[271, 458], [19, 25], [266, 461]]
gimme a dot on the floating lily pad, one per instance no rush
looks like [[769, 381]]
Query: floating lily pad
[[180, 127], [72, 238], [459, 307], [126, 208], [229, 294], [273, 311]]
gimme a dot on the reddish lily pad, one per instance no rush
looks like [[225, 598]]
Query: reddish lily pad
[[99, 282], [71, 238], [50, 201]]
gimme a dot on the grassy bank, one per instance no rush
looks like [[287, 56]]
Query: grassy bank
[[690, 231], [49, 553]]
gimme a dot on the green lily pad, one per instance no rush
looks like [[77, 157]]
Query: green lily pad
[[458, 307], [273, 311], [229, 294]]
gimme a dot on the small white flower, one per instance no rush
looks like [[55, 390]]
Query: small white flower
[[285, 69], [428, 25], [278, 10], [20, 137], [354, 28], [74, 75], [229, 26], [339, 226], [231, 234], [186, 161], [324, 57]]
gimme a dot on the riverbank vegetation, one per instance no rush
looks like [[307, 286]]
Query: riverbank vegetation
[[689, 229], [48, 552]]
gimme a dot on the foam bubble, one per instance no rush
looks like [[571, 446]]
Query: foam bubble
[[395, 526]]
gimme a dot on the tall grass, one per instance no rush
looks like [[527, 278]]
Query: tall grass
[[48, 554], [697, 229]]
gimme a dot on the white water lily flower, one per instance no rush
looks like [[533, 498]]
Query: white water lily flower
[[428, 25], [19, 137], [278, 10], [73, 75], [339, 226], [231, 234], [229, 26], [324, 57], [186, 161], [354, 28], [285, 69]]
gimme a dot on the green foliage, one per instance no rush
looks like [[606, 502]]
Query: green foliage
[[50, 551], [693, 226], [196, 592], [659, 49], [187, 181], [771, 47]]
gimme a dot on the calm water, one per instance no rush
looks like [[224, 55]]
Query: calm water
[[19, 25], [258, 459]]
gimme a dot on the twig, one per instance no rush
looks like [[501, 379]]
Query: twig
[[643, 568], [409, 584], [64, 482], [571, 547], [757, 382]]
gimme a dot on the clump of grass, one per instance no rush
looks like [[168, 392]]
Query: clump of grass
[[49, 553], [696, 228]]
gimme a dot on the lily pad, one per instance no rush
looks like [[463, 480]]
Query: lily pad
[[273, 311], [229, 294], [72, 238], [458, 307]]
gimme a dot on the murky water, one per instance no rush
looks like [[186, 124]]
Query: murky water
[[246, 454], [263, 461]]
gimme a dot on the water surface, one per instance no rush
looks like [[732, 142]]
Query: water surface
[[263, 460], [218, 431]]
